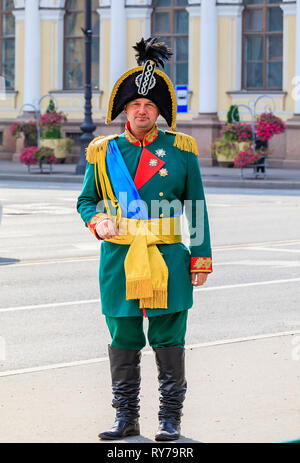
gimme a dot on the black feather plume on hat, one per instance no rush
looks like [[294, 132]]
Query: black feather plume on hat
[[151, 49]]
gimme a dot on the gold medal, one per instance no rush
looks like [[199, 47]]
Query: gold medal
[[163, 172]]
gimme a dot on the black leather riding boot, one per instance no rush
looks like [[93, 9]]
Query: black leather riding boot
[[126, 379], [172, 386]]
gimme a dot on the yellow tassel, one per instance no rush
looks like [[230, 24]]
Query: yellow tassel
[[159, 300], [97, 146], [119, 215], [185, 142], [96, 154], [137, 288]]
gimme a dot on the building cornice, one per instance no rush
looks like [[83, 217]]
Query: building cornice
[[104, 12], [230, 10], [289, 9], [138, 3], [55, 4], [19, 14], [194, 11], [230, 2], [138, 12], [19, 4], [223, 9], [52, 14]]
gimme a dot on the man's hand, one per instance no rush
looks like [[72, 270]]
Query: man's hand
[[198, 278], [106, 229]]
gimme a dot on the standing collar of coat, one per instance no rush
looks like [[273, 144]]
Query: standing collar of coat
[[148, 138]]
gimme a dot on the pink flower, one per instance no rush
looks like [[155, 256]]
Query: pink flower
[[269, 125], [33, 154], [245, 158]]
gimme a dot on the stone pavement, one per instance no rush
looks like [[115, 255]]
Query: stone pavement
[[276, 178], [243, 390], [239, 391]]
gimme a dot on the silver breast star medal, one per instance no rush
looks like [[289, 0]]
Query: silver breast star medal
[[153, 162], [160, 152]]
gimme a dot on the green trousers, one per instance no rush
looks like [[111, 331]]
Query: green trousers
[[163, 331]]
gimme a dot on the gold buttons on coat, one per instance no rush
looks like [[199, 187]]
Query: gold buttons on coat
[[161, 193]]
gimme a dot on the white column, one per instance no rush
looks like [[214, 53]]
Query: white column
[[32, 51], [56, 57], [118, 42], [19, 50], [208, 57], [143, 14], [297, 53], [234, 12]]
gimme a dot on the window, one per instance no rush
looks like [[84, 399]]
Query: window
[[262, 45], [74, 46], [7, 43], [170, 23]]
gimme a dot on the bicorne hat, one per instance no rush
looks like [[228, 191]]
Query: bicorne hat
[[146, 81]]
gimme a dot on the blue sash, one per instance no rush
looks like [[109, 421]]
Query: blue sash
[[132, 205]]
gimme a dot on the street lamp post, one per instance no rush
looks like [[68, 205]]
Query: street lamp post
[[87, 127]]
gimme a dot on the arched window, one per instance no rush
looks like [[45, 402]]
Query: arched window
[[74, 51], [7, 43], [262, 45], [170, 23]]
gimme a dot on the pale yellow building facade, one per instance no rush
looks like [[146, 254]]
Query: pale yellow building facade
[[234, 52]]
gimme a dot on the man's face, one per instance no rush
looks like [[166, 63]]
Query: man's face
[[141, 113]]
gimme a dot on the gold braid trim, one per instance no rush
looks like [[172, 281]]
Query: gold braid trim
[[115, 91], [96, 146], [184, 142]]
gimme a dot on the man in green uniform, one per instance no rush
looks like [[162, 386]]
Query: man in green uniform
[[135, 188]]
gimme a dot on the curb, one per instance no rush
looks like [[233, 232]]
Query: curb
[[49, 178], [253, 184], [208, 182]]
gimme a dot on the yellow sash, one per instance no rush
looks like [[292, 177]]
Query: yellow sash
[[145, 269]]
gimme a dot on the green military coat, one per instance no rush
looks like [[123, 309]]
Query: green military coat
[[163, 169]]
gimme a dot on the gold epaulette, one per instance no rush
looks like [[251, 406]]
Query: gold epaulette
[[98, 146], [184, 142]]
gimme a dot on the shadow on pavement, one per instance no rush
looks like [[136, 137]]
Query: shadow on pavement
[[145, 440], [5, 261]]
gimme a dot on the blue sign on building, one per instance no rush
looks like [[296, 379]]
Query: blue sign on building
[[182, 94]]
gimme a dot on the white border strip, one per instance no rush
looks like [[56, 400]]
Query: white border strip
[[96, 301], [148, 352], [243, 285], [65, 260], [229, 247], [54, 366], [50, 305]]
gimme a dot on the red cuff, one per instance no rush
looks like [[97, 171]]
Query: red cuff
[[201, 264], [94, 222]]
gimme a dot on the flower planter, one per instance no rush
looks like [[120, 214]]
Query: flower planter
[[34, 155], [59, 145], [225, 155]]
